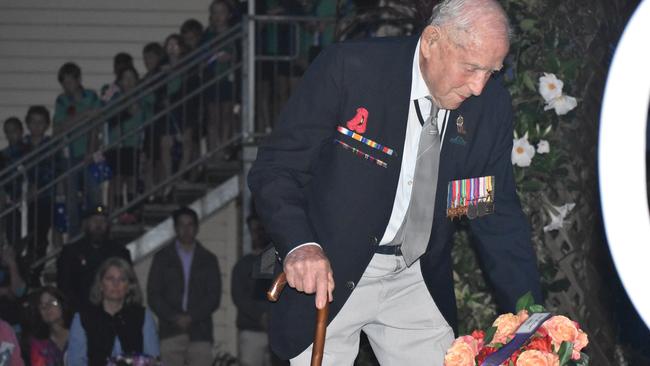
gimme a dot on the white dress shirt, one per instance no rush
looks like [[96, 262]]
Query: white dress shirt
[[419, 92]]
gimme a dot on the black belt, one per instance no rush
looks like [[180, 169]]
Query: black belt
[[389, 249]]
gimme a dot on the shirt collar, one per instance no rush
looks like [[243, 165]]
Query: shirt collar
[[418, 87], [181, 249]]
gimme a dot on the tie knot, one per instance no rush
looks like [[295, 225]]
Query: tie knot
[[433, 111]]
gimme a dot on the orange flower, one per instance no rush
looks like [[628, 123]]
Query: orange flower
[[560, 329], [537, 358], [461, 353], [580, 342], [507, 325]]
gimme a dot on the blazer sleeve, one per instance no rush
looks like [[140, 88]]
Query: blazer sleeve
[[156, 288], [211, 297], [65, 277], [503, 238], [281, 174]]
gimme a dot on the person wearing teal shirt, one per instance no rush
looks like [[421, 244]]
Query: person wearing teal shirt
[[124, 139], [73, 106]]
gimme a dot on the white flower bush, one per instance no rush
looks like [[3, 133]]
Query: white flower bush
[[550, 88], [543, 147], [522, 152], [558, 215], [562, 104]]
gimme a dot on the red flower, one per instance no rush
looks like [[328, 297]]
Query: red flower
[[541, 331], [479, 335], [483, 353], [359, 122], [540, 344]]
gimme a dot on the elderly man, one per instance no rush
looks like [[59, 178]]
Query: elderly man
[[382, 146]]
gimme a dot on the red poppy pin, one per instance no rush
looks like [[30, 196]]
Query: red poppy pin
[[359, 122]]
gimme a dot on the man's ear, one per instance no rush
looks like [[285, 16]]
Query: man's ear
[[430, 36]]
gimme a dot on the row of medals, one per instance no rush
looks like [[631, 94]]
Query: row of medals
[[473, 209]]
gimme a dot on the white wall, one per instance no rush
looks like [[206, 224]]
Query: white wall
[[38, 36]]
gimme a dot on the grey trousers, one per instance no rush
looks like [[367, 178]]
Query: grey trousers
[[254, 348], [392, 305]]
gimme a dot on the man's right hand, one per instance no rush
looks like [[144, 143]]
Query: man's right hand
[[308, 270], [183, 322]]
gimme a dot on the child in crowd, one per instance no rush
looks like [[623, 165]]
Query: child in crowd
[[220, 18], [40, 184], [174, 130], [191, 32], [124, 144], [51, 318], [220, 97], [121, 61], [16, 149], [72, 107], [153, 55]]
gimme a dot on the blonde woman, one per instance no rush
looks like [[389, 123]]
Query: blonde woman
[[116, 322]]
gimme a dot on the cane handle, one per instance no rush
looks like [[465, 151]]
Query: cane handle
[[273, 294]]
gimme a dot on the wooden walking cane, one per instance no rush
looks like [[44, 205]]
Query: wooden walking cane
[[321, 319]]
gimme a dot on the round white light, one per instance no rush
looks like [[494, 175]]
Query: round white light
[[621, 160]]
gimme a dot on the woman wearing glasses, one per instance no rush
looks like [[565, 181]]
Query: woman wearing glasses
[[50, 329], [117, 323]]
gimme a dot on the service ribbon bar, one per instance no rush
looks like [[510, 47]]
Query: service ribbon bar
[[362, 154], [366, 141]]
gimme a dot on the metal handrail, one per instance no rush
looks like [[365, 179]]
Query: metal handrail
[[189, 63], [134, 132], [137, 200], [114, 109], [134, 96], [89, 123]]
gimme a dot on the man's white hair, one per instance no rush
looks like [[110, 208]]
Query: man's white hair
[[464, 19]]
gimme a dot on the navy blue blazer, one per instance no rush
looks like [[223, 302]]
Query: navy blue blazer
[[308, 189]]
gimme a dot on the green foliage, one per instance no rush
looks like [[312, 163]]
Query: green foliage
[[489, 334], [583, 361], [566, 348], [525, 302]]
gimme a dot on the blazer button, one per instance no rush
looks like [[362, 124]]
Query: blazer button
[[374, 240], [350, 285]]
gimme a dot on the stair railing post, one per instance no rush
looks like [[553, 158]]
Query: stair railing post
[[248, 119]]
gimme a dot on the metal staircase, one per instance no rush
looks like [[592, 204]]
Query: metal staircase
[[258, 76], [209, 77]]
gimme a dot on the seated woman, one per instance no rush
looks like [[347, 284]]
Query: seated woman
[[50, 330], [116, 323]]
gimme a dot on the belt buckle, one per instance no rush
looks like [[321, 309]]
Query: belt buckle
[[398, 250]]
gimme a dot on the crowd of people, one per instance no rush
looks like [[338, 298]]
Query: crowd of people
[[123, 156], [96, 309], [65, 201], [150, 136]]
